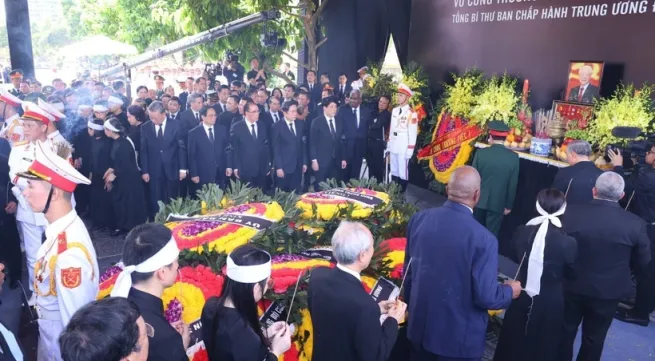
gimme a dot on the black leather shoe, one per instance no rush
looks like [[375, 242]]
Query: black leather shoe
[[630, 317]]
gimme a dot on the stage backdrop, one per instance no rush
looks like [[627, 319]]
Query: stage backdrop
[[535, 40]]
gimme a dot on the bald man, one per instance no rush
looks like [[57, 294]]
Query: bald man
[[585, 92], [452, 280]]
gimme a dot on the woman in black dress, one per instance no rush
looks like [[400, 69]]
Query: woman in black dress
[[124, 179], [136, 116], [231, 330], [101, 210], [533, 323]]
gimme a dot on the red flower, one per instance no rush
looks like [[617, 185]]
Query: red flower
[[201, 355]]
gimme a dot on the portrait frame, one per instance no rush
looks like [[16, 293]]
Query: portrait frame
[[573, 83], [571, 112]]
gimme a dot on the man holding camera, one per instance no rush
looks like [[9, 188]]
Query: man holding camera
[[641, 188], [233, 70]]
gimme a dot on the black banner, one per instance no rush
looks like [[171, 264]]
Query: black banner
[[370, 201], [250, 221], [274, 313], [196, 333], [384, 290], [320, 253]]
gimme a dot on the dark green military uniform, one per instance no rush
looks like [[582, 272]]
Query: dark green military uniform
[[499, 171]]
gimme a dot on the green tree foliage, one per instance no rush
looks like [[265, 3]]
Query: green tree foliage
[[150, 23]]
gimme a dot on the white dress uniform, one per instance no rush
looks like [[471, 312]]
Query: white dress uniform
[[13, 126], [402, 139], [66, 271]]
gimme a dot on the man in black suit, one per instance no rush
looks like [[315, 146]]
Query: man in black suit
[[327, 143], [190, 118], [223, 94], [609, 240], [377, 130], [289, 93], [343, 88], [227, 117], [273, 115], [163, 155], [208, 149], [577, 180], [585, 92], [174, 108], [355, 124], [251, 154], [289, 149], [313, 88], [184, 96], [346, 319]]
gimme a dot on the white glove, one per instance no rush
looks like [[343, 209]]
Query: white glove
[[409, 153]]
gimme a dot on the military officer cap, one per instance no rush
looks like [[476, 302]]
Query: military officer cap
[[404, 89], [212, 94], [159, 77], [8, 98], [16, 74], [50, 167], [498, 128], [32, 111], [48, 90], [55, 109]]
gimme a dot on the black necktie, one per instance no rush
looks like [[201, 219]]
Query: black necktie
[[254, 134], [275, 116], [332, 131], [211, 135], [160, 133], [291, 129], [43, 238], [198, 117]]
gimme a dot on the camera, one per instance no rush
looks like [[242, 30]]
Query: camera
[[271, 39], [640, 143], [232, 56]]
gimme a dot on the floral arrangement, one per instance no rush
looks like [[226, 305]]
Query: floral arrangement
[[415, 77], [186, 298], [628, 106], [286, 268], [460, 98], [379, 84], [395, 256], [326, 206], [497, 101], [219, 236]]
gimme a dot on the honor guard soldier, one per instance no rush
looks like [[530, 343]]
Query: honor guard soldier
[[402, 136], [66, 271], [31, 225], [13, 124], [16, 77], [55, 109]]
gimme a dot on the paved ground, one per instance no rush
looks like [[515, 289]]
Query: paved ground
[[624, 341]]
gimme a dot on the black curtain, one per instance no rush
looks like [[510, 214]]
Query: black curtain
[[358, 31]]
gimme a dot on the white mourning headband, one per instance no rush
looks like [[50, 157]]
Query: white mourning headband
[[100, 108], [94, 126], [248, 274], [163, 258], [114, 100], [111, 127]]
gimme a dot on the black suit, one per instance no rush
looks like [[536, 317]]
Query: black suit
[[346, 319], [289, 154], [590, 93], [162, 159], [267, 118], [315, 92], [189, 120], [341, 94], [218, 108], [208, 160], [176, 117], [377, 129], [183, 99], [250, 156], [226, 119], [10, 253], [327, 149], [355, 138], [609, 239], [582, 177]]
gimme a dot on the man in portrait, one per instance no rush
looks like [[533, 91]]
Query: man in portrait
[[585, 92]]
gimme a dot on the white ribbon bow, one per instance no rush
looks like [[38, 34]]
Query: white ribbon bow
[[536, 261]]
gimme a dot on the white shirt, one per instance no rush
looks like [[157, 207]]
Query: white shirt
[[14, 349], [162, 126], [275, 117], [222, 106], [357, 115], [249, 124], [351, 272], [172, 115], [207, 127], [462, 204], [196, 115]]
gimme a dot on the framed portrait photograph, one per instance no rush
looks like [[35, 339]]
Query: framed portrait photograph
[[574, 115], [584, 81]]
